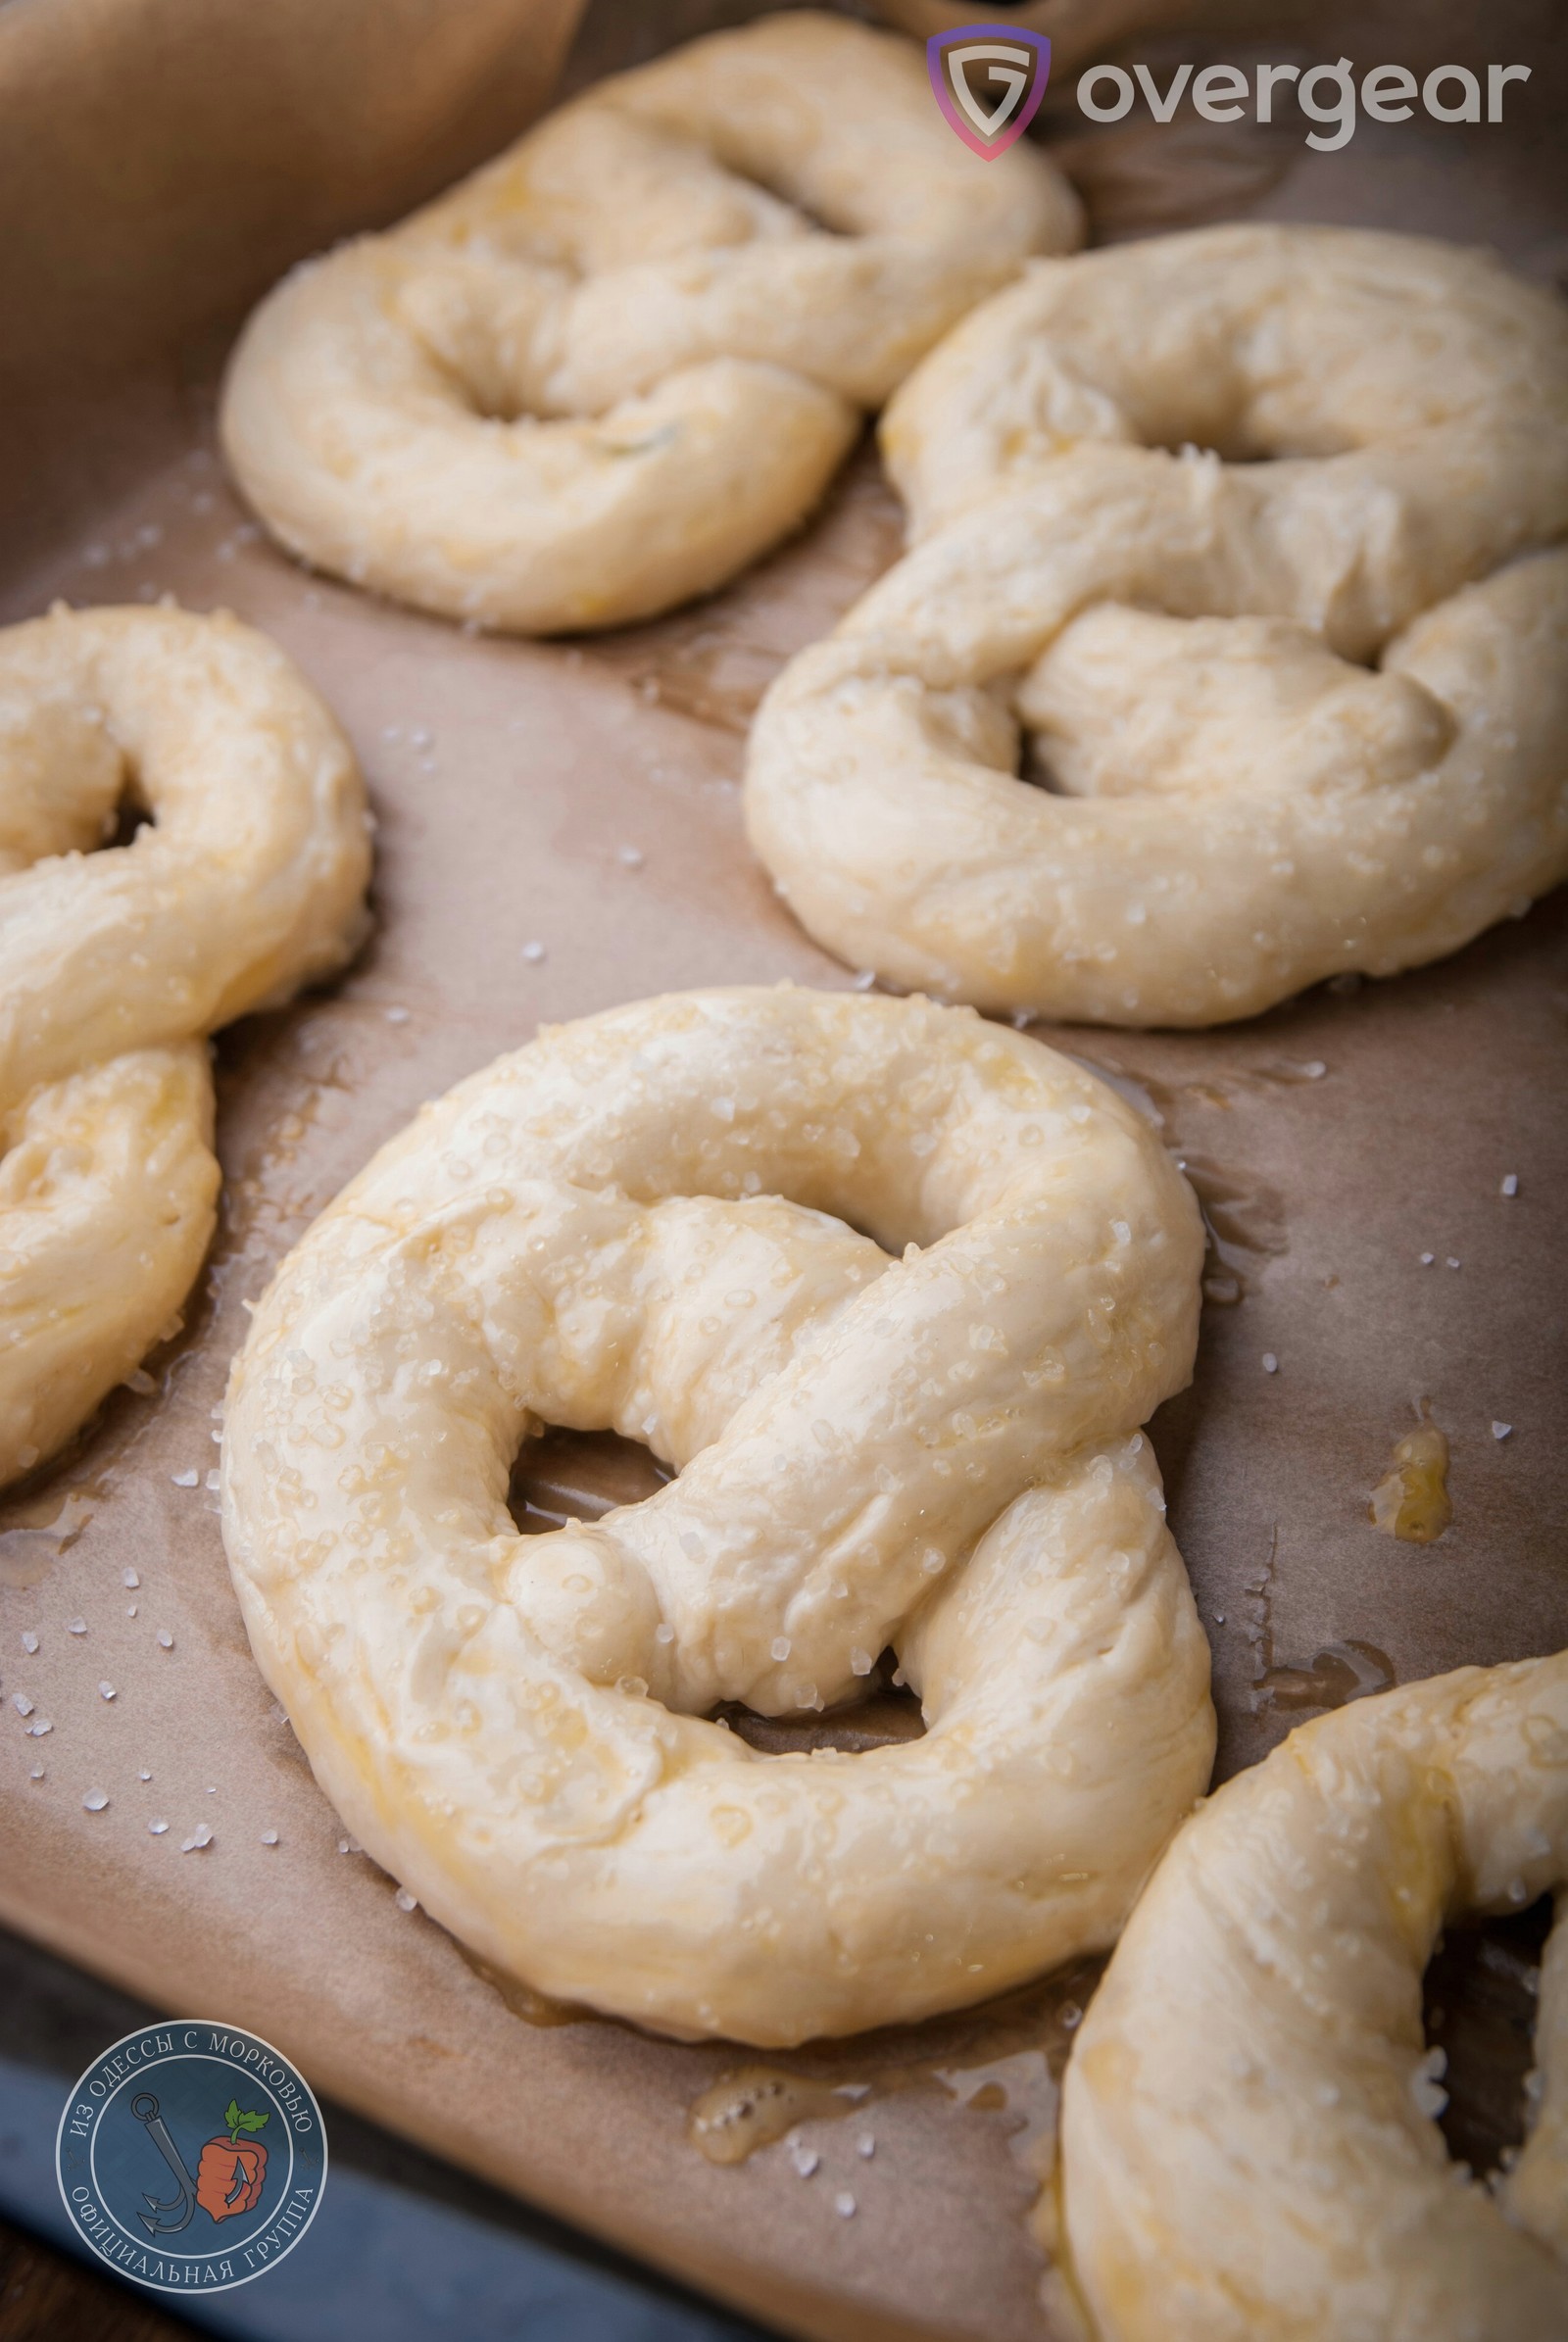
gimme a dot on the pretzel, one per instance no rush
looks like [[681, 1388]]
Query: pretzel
[[648, 1222], [1298, 717], [247, 881], [1248, 2136], [621, 361]]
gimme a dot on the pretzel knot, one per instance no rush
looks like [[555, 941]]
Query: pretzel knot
[[1249, 2133], [894, 1292], [245, 882], [621, 361], [1293, 716]]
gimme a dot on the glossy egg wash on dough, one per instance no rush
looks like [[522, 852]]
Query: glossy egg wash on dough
[[894, 1292]]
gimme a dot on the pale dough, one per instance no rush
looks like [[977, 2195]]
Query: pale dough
[[247, 881], [1250, 2144], [625, 359], [923, 1435], [1298, 716]]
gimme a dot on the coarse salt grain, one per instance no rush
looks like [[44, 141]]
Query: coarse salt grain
[[199, 1837], [1500, 1430], [95, 1800], [865, 2146], [156, 1829], [39, 1725], [396, 1016], [404, 1901], [185, 1479], [22, 1703], [269, 1837], [1271, 1364], [533, 953], [1510, 1186], [805, 2160], [77, 1625], [128, 1578], [30, 1641], [1427, 1259], [844, 2204], [106, 1692], [164, 1640]]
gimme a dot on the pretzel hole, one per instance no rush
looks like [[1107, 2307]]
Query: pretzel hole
[[579, 1476], [1479, 2008]]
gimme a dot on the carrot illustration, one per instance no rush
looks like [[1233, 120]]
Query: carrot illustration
[[232, 2171]]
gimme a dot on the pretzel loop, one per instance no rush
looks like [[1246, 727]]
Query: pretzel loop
[[938, 1451], [245, 880], [626, 358], [1249, 2120], [1297, 704]]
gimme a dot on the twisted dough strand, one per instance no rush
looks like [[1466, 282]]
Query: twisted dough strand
[[938, 1451]]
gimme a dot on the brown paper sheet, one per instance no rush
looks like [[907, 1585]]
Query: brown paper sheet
[[1335, 1141]]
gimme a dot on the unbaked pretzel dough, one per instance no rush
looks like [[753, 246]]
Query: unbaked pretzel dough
[[1249, 2147], [925, 1436], [1298, 715], [247, 883], [615, 365]]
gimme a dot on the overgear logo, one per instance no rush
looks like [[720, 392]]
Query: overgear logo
[[989, 80]]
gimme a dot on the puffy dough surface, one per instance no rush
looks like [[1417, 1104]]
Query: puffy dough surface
[[246, 881], [1250, 2144], [1298, 703], [609, 369], [894, 1292]]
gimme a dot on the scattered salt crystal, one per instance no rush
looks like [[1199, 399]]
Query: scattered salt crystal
[[22, 1703], [864, 978], [156, 1829], [630, 857], [76, 1626], [269, 1837], [844, 2204], [533, 953], [199, 1837], [1071, 2016], [860, 1663], [164, 1640], [1510, 1186], [39, 1725], [663, 1631], [805, 2160], [95, 1800], [130, 1578], [36, 1774], [1313, 1070], [131, 1609], [1427, 1259], [397, 1016], [214, 1480], [1271, 1364], [404, 1901], [865, 2146], [140, 1380], [1453, 1263], [1500, 1430], [185, 1479], [29, 1640], [106, 1692], [145, 1775], [779, 1647]]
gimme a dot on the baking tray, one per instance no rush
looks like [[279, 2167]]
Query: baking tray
[[582, 798]]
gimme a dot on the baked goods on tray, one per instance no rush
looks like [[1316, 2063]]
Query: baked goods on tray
[[1249, 2134], [246, 881], [619, 362], [923, 1437], [1242, 532]]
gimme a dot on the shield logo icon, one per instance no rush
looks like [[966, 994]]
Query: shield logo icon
[[989, 80]]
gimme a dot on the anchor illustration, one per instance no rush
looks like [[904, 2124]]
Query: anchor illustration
[[230, 2176]]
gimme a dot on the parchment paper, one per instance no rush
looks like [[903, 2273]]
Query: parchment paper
[[1336, 1142]]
